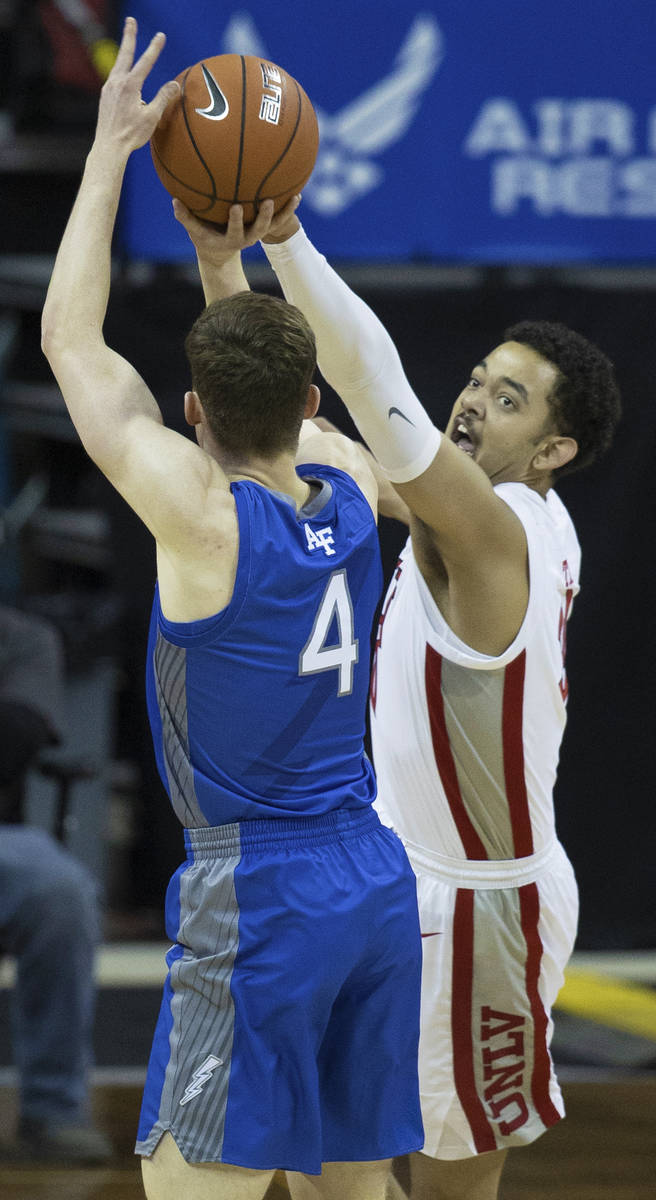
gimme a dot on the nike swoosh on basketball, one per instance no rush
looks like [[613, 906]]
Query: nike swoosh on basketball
[[393, 410], [218, 108]]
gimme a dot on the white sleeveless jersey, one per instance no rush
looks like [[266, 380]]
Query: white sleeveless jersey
[[466, 745]]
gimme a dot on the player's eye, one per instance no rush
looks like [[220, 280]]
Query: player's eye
[[506, 402], [474, 382]]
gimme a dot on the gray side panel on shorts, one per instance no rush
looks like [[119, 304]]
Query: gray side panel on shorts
[[170, 680], [473, 711], [195, 1093]]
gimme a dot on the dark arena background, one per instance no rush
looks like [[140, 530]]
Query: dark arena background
[[509, 209]]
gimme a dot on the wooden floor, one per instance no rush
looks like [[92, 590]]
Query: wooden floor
[[604, 1150]]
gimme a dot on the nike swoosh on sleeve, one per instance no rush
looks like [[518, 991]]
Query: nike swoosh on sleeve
[[393, 410]]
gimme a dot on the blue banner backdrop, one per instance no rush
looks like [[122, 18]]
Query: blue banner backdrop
[[451, 130]]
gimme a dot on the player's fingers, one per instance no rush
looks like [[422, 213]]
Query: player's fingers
[[235, 224], [181, 212], [203, 235], [191, 223], [126, 49], [165, 95], [285, 213], [262, 222], [145, 64]]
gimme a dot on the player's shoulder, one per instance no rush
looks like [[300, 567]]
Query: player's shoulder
[[547, 523], [532, 508], [341, 456], [334, 449], [519, 495]]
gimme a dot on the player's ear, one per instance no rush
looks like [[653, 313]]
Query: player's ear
[[192, 409], [312, 402], [555, 452]]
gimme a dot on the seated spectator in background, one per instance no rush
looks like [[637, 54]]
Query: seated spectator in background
[[49, 917]]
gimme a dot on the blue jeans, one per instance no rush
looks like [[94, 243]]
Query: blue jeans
[[49, 922]]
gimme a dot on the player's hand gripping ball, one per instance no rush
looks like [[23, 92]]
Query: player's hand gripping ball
[[241, 131]]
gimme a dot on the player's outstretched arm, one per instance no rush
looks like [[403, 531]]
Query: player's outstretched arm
[[450, 494], [356, 355], [114, 412], [479, 539], [100, 389]]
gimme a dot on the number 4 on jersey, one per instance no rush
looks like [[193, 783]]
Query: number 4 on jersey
[[342, 656]]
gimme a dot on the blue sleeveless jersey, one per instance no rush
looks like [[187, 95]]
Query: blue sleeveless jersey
[[259, 710]]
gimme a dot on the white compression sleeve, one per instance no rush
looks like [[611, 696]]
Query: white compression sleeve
[[358, 359]]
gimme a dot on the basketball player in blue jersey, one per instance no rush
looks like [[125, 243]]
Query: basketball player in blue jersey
[[289, 1026]]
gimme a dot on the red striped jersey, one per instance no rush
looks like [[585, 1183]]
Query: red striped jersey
[[466, 745]]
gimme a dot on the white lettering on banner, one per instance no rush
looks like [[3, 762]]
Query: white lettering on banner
[[583, 187], [580, 158], [639, 180], [561, 127], [498, 126], [601, 121], [551, 126]]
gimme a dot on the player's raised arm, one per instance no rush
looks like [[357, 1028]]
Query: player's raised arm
[[441, 486], [114, 412]]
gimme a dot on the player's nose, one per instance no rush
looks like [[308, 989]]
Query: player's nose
[[473, 403]]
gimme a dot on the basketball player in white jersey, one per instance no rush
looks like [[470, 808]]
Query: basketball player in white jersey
[[468, 689]]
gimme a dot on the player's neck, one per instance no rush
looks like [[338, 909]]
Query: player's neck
[[279, 475], [538, 481]]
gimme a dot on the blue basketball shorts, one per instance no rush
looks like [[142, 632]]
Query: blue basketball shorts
[[289, 1026]]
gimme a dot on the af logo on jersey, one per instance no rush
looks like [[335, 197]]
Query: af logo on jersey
[[320, 539], [345, 169]]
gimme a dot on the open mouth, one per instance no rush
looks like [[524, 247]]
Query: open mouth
[[462, 438]]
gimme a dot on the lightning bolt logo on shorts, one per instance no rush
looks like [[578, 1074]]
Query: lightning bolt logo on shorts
[[200, 1077]]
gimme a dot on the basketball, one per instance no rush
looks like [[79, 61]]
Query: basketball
[[241, 131]]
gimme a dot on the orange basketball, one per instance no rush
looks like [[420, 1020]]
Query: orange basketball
[[241, 131]]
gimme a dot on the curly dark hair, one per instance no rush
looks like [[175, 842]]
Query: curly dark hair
[[586, 399]]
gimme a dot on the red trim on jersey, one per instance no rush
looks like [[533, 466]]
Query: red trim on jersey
[[373, 684], [565, 610], [462, 971], [529, 906], [444, 762], [513, 756]]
